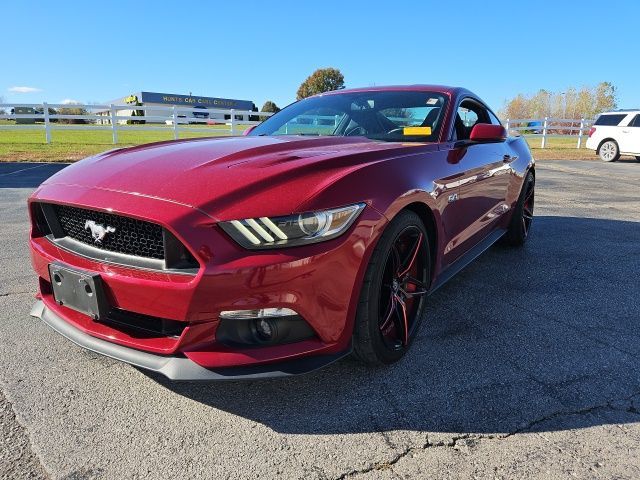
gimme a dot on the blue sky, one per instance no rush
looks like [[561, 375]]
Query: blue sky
[[98, 51]]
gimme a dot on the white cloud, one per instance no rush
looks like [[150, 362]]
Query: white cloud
[[69, 101], [24, 89]]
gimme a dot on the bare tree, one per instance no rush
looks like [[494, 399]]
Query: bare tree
[[573, 103]]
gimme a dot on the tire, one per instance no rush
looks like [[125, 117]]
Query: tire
[[387, 321], [522, 217], [609, 151], [638, 158]]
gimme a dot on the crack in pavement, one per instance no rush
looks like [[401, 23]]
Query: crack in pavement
[[452, 443], [17, 456], [608, 405], [472, 439], [8, 294]]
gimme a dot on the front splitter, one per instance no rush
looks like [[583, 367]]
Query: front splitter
[[175, 367]]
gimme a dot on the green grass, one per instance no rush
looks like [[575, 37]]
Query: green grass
[[536, 142], [69, 145]]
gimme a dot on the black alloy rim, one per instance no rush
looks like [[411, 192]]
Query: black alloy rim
[[527, 208], [404, 287]]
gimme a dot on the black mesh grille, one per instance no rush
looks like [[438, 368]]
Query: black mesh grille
[[131, 236]]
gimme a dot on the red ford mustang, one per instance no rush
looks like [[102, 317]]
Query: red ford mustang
[[318, 234]]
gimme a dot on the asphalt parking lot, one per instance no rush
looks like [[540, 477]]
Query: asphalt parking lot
[[528, 367]]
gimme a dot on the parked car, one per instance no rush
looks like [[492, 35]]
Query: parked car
[[277, 253], [181, 120], [616, 133], [200, 117], [536, 127]]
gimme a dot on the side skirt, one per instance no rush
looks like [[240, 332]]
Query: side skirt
[[467, 258]]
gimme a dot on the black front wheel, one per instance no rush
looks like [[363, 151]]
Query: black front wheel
[[393, 297], [522, 216]]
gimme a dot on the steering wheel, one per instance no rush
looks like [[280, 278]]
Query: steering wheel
[[355, 131]]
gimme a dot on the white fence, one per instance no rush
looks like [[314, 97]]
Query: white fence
[[176, 119], [110, 117], [548, 127]]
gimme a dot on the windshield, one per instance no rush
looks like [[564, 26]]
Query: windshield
[[385, 115]]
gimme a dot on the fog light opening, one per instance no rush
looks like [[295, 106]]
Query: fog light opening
[[264, 329]]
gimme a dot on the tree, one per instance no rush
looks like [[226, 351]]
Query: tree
[[573, 103], [605, 97], [270, 107], [320, 81], [584, 103], [517, 107], [540, 104]]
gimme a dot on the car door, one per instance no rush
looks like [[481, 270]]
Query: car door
[[630, 136], [485, 171]]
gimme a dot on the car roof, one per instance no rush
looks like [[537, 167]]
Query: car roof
[[448, 90], [625, 111]]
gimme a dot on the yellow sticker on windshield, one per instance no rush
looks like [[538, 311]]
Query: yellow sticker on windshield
[[416, 131]]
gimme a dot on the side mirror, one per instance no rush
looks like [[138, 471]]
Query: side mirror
[[248, 130], [484, 132]]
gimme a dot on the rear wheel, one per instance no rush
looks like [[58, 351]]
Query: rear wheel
[[609, 151], [522, 216], [393, 297], [638, 158]]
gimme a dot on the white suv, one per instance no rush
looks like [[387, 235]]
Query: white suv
[[616, 133]]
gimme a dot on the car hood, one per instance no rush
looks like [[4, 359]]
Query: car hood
[[229, 177]]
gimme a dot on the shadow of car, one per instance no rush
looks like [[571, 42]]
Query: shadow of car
[[515, 340]]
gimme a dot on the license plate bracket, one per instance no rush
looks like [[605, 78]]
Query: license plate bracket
[[79, 290]]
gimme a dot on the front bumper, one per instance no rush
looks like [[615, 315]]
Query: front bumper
[[321, 282], [178, 367]]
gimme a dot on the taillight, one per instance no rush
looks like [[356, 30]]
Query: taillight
[[592, 130]]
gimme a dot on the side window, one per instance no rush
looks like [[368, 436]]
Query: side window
[[635, 122], [609, 120], [469, 117], [468, 114], [494, 119]]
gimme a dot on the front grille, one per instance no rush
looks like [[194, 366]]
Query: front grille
[[130, 237], [126, 241]]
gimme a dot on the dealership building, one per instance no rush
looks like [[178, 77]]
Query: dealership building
[[200, 106]]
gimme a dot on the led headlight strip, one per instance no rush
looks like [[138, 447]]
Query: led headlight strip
[[291, 230]]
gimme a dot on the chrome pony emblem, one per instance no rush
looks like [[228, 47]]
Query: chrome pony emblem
[[98, 231]]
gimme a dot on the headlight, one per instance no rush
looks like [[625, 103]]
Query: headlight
[[291, 230]]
